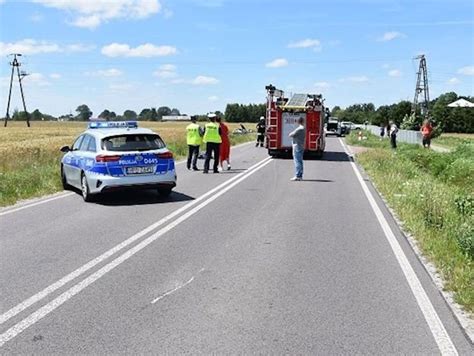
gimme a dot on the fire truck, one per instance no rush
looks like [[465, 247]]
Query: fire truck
[[282, 115]]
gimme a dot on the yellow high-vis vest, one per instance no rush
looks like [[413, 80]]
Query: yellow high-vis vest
[[193, 137], [212, 133]]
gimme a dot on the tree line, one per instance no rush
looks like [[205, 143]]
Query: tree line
[[446, 119]]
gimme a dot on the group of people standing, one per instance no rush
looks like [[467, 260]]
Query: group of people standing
[[215, 135], [392, 131]]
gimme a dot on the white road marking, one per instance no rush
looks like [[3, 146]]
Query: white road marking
[[14, 210], [55, 303], [173, 290], [441, 336], [81, 270], [67, 194]]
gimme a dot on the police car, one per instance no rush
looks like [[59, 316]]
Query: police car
[[114, 155]]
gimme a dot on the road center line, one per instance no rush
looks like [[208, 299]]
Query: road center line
[[64, 297], [441, 336], [86, 267]]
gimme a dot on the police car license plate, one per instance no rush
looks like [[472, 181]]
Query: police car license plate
[[140, 170]]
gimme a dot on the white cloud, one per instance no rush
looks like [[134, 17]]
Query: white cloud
[[55, 76], [90, 14], [277, 63], [204, 80], [112, 72], [166, 71], [394, 73], [29, 47], [389, 36], [144, 50], [453, 81], [322, 85], [355, 79], [213, 98], [306, 43], [469, 70], [36, 79]]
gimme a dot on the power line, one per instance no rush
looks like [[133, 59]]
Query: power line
[[16, 64]]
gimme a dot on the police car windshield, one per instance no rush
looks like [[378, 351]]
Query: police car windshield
[[132, 142]]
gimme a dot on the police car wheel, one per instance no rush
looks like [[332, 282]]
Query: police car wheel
[[164, 192], [86, 195], [64, 182]]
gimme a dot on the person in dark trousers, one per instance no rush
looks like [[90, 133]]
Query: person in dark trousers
[[382, 131], [298, 137], [393, 134], [194, 134], [212, 139], [260, 132]]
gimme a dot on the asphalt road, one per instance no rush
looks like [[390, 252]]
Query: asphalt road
[[258, 265]]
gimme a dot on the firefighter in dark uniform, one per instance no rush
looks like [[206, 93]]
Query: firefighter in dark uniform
[[260, 132]]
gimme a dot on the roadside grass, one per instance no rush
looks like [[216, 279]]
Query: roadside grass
[[433, 195], [29, 157], [452, 140]]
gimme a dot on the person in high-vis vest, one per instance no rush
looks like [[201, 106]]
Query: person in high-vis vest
[[212, 139], [193, 138]]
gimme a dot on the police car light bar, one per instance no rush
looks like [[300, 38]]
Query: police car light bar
[[113, 125]]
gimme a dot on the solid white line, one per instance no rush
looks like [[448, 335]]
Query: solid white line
[[172, 291], [61, 299], [81, 270], [14, 210], [441, 336]]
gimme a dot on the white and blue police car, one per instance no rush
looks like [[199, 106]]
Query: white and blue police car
[[110, 156]]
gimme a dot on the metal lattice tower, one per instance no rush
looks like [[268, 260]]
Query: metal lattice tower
[[16, 64], [421, 87]]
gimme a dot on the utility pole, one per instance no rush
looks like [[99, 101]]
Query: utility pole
[[16, 64], [421, 87]]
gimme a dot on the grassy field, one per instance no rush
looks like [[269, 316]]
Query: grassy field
[[451, 140], [29, 157], [433, 194]]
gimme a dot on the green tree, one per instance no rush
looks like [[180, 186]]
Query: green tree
[[129, 115], [175, 112], [163, 111], [105, 115], [36, 115], [83, 112]]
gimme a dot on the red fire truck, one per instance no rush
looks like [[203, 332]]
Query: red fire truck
[[282, 115]]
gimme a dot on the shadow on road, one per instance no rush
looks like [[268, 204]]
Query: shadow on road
[[335, 156], [318, 180], [331, 156], [140, 197]]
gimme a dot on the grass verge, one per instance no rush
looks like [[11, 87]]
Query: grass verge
[[432, 194], [29, 157]]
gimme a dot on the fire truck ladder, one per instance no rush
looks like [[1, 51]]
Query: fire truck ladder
[[272, 115]]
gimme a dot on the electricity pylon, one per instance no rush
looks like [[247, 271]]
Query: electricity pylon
[[421, 87], [16, 64]]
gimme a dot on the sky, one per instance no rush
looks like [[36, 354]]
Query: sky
[[199, 55]]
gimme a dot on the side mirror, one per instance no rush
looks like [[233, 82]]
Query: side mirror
[[65, 149]]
